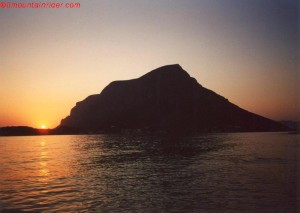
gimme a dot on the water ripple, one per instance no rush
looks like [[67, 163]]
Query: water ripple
[[148, 173]]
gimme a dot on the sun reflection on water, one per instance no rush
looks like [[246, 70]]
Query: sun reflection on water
[[44, 172]]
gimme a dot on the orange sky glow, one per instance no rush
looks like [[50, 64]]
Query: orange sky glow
[[246, 51]]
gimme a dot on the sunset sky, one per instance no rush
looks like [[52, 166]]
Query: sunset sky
[[245, 50]]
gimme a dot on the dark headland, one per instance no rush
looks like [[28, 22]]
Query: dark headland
[[164, 100]]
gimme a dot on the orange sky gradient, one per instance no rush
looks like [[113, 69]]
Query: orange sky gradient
[[246, 51]]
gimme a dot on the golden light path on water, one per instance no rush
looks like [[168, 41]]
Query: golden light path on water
[[108, 173]]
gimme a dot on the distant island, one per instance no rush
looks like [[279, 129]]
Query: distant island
[[165, 100]]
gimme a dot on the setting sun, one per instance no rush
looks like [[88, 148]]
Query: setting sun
[[43, 126]]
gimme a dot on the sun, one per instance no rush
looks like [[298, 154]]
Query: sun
[[43, 126]]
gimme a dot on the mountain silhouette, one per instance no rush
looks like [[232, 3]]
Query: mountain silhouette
[[166, 99]]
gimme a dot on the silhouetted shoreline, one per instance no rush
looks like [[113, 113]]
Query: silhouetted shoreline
[[166, 100], [30, 131]]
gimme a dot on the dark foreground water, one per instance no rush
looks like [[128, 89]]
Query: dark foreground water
[[249, 172]]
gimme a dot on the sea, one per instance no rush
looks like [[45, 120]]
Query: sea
[[225, 172]]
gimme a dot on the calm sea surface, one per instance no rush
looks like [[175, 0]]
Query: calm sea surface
[[248, 172]]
